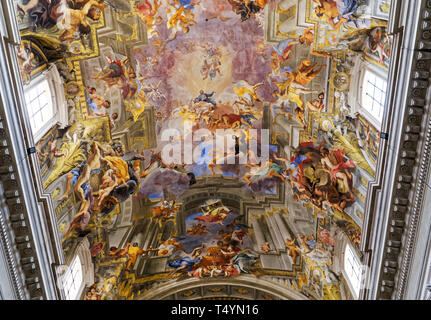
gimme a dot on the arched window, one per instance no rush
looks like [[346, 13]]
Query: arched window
[[367, 93], [373, 94], [45, 102], [352, 269], [78, 274], [73, 280]]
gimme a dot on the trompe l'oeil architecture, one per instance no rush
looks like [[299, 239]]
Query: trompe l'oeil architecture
[[230, 149]]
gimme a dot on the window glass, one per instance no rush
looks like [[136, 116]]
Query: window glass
[[72, 279], [353, 269], [39, 105], [374, 94]]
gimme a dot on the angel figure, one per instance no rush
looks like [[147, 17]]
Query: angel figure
[[26, 61], [149, 15], [288, 90], [112, 73], [75, 20], [179, 20], [294, 250], [247, 92], [283, 50], [268, 169], [265, 247], [318, 104], [247, 9], [133, 252], [336, 12], [305, 73]]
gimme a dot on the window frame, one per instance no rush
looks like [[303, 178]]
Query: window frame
[[83, 252], [356, 89], [70, 271], [59, 105], [364, 111], [347, 276], [49, 123]]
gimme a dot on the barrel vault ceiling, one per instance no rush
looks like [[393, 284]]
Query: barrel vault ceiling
[[142, 77]]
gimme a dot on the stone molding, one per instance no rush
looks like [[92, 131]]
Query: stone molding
[[395, 200]]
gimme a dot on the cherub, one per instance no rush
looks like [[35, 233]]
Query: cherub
[[114, 117], [180, 19], [120, 167], [197, 229], [26, 62], [283, 50], [109, 182], [82, 218], [305, 73], [52, 144], [265, 247], [316, 105], [41, 155], [76, 20], [215, 270], [247, 92], [294, 250], [149, 15], [336, 12], [96, 103], [93, 294]]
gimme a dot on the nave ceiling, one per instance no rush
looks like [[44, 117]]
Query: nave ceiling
[[138, 78]]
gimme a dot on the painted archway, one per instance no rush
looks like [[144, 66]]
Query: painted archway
[[243, 287]]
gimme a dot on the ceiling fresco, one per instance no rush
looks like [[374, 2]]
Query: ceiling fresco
[[210, 139]]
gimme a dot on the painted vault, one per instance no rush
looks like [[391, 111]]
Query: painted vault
[[141, 77]]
